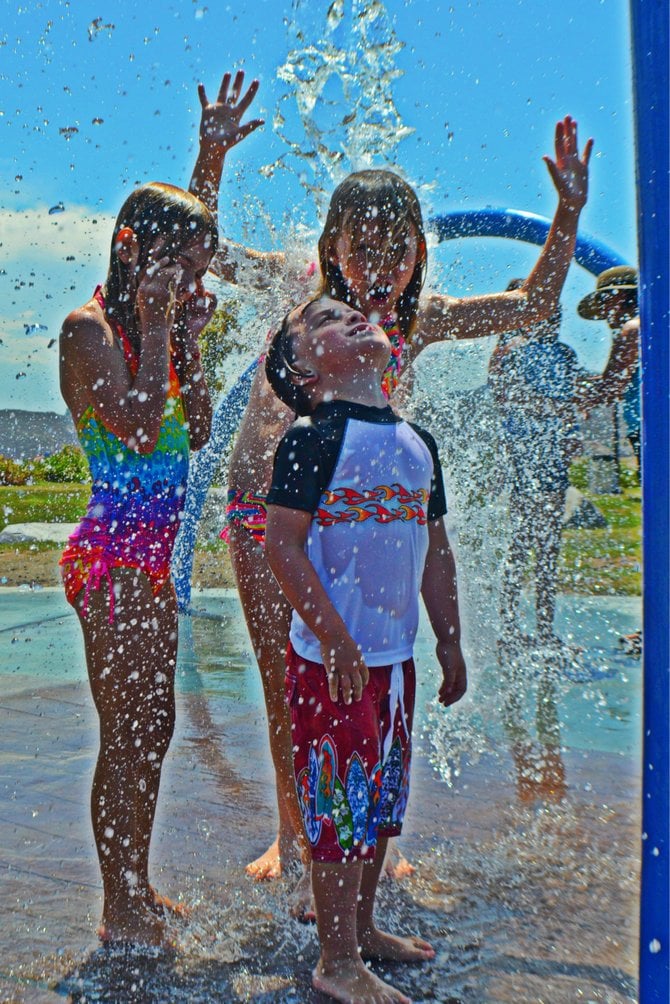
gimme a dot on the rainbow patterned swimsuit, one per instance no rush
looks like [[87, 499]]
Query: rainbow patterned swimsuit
[[133, 515]]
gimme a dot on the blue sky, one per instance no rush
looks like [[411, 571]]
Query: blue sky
[[97, 97]]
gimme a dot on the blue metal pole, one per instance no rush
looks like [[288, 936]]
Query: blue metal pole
[[649, 20]]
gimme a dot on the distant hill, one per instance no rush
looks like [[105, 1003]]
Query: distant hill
[[27, 434]]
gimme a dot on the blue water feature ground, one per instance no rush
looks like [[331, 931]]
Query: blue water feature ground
[[600, 691]]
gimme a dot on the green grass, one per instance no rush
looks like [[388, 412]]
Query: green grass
[[43, 503], [606, 561]]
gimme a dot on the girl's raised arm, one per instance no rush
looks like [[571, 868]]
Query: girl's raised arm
[[442, 317], [221, 129]]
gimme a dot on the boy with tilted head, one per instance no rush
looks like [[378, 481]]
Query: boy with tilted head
[[355, 533]]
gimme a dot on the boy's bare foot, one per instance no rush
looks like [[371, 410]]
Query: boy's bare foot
[[301, 901], [142, 927], [396, 865], [351, 982], [267, 866], [376, 944]]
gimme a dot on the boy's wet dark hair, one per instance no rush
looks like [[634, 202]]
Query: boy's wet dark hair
[[280, 367], [397, 208]]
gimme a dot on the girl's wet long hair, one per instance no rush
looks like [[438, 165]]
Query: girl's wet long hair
[[397, 210], [153, 211]]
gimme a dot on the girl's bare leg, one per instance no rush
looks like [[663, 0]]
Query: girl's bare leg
[[549, 515], [268, 618], [131, 665]]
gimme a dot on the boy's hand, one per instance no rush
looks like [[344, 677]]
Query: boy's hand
[[454, 673], [220, 121], [345, 667]]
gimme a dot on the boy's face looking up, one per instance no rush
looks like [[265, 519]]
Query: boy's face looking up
[[335, 346]]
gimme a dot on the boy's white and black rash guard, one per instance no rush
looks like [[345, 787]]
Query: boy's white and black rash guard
[[372, 482]]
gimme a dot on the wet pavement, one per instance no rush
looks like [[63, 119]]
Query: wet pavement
[[527, 896]]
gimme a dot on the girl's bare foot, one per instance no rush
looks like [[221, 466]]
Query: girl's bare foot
[[376, 944], [163, 904], [281, 856], [351, 982], [267, 866], [396, 865], [141, 927]]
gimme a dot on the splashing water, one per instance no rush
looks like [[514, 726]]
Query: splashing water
[[353, 68]]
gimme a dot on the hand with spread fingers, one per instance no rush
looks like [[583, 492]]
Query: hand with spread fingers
[[220, 122], [570, 172]]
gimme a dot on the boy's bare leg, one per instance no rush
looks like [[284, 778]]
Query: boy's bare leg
[[131, 672], [376, 944], [340, 971], [268, 617]]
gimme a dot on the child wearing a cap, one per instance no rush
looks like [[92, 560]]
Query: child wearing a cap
[[615, 300]]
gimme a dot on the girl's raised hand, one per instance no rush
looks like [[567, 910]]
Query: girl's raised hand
[[220, 120], [570, 172]]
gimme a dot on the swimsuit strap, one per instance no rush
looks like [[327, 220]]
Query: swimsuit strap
[[132, 361], [397, 339]]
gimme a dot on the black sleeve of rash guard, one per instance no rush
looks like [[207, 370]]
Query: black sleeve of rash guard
[[437, 503], [297, 476]]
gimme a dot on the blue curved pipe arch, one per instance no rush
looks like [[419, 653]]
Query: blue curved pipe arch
[[591, 253], [203, 467], [510, 223]]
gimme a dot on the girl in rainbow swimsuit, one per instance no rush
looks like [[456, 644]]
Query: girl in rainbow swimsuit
[[372, 256], [131, 376]]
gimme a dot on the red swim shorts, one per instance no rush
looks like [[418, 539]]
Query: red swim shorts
[[351, 761]]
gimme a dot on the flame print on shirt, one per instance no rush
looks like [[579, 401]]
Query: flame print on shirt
[[384, 504]]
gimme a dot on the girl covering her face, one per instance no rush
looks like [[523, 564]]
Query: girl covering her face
[[132, 379]]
